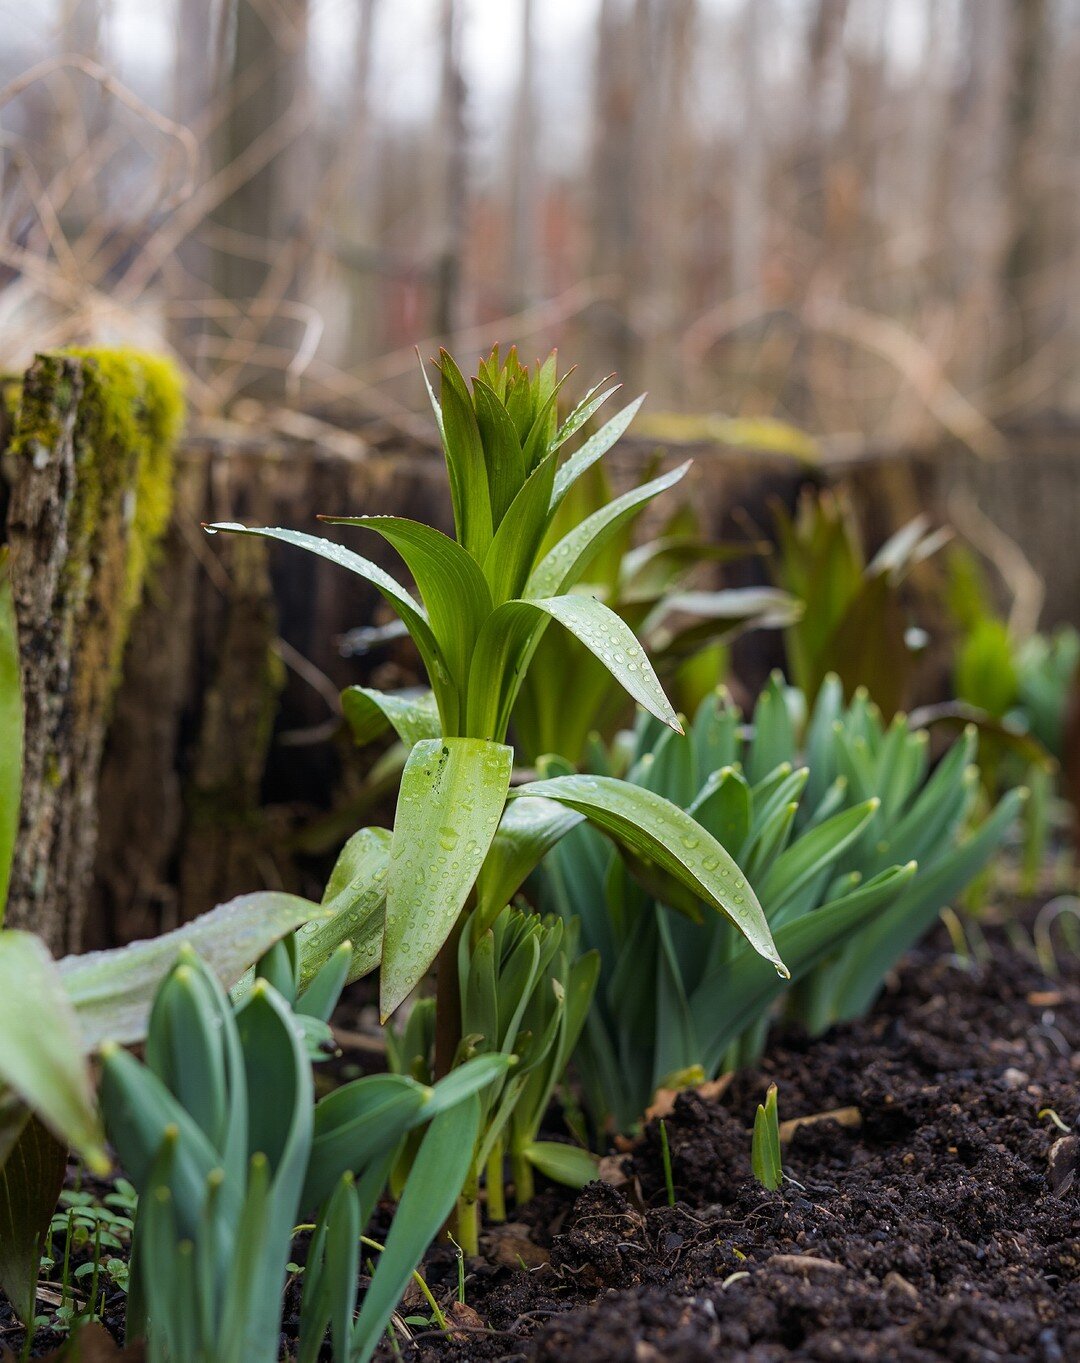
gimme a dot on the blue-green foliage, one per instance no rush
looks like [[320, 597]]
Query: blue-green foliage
[[850, 841]]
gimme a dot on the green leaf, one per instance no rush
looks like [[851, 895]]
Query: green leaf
[[765, 1150], [465, 1080], [438, 1173], [502, 450], [593, 400], [454, 590], [986, 674], [368, 712], [512, 631], [812, 854], [565, 1164], [568, 560], [410, 611], [513, 551], [42, 1058], [112, 991], [11, 727], [355, 899], [593, 449], [30, 1183], [452, 796], [739, 991], [356, 1124], [658, 831], [883, 943], [465, 463], [527, 830]]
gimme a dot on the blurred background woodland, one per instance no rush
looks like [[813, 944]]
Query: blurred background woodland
[[856, 215]]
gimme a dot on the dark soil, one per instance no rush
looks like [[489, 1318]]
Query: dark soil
[[933, 1231], [941, 1227]]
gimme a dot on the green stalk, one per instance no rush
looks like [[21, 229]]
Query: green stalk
[[448, 1000], [496, 1191], [524, 1180], [467, 1216]]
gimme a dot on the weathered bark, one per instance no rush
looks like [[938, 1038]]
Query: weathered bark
[[225, 829], [63, 726]]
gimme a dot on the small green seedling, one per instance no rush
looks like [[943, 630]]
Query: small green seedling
[[765, 1150], [665, 1155]]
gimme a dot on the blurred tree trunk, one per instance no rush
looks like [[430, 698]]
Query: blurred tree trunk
[[1023, 181], [453, 175], [525, 199], [642, 150], [262, 144], [748, 215], [360, 217], [196, 76], [980, 221]]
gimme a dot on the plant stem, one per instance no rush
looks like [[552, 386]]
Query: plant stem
[[448, 1002], [524, 1181], [496, 1192], [467, 1216]]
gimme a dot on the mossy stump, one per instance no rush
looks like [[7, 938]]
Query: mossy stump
[[90, 466]]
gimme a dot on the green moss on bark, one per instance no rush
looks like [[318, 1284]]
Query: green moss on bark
[[130, 414]]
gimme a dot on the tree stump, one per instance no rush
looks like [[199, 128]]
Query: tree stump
[[90, 473]]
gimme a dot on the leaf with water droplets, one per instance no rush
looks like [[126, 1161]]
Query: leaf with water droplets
[[411, 716], [593, 449], [453, 792], [566, 562], [411, 612], [655, 830], [507, 641]]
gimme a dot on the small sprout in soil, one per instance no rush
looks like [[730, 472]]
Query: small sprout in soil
[[665, 1155], [765, 1149], [1049, 1112], [460, 1256]]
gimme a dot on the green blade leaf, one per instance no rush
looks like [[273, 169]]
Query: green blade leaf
[[513, 551], [566, 562], [527, 830], [883, 942], [593, 400], [465, 463], [358, 1123], [656, 830], [565, 1164], [461, 1083], [112, 991], [453, 792], [593, 449], [42, 1058], [11, 727], [502, 449], [410, 611], [437, 1175], [811, 854], [511, 633], [368, 712], [355, 900], [740, 991], [454, 590], [30, 1183]]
